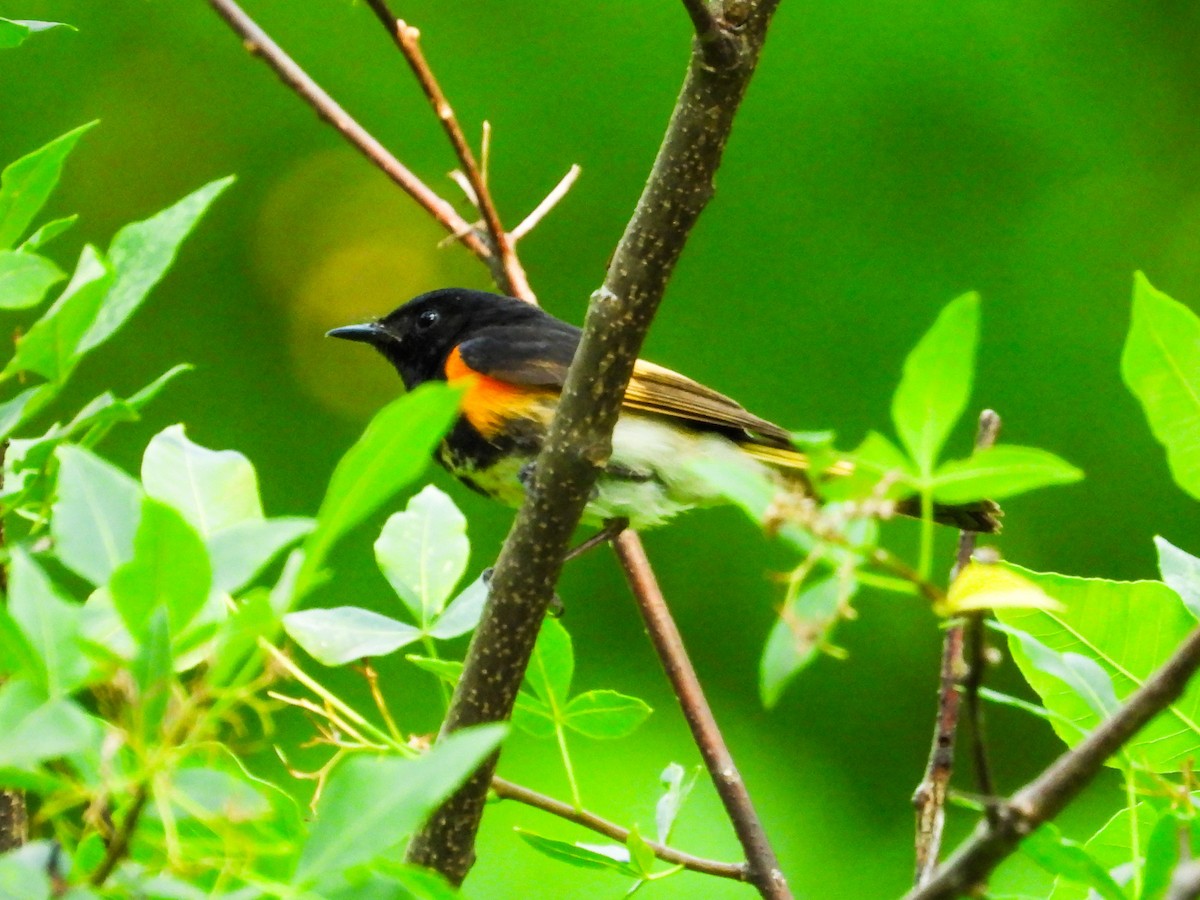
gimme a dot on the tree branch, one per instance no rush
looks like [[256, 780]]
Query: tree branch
[[929, 799], [1047, 795], [717, 44], [765, 872], [579, 441], [507, 790], [14, 815], [260, 44], [505, 266], [118, 847]]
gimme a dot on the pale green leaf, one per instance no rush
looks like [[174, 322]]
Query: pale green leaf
[[24, 278], [552, 665], [49, 622], [347, 633], [48, 232], [423, 552], [605, 714], [14, 32], [998, 472], [936, 383], [678, 786], [26, 184], [239, 552], [1181, 571], [615, 860], [803, 627], [462, 613]]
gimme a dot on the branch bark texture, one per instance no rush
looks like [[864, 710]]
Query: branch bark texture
[[579, 441], [1047, 795]]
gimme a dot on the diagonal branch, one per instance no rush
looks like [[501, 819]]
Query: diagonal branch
[[1047, 795], [260, 44], [716, 42], [505, 266], [507, 790], [764, 867], [579, 440]]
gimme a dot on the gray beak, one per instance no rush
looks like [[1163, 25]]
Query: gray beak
[[367, 333]]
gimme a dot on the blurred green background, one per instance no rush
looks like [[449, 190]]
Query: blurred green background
[[890, 155]]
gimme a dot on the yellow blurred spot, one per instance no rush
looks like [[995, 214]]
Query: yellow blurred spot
[[981, 586]]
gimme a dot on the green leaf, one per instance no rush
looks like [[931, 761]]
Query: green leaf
[[51, 348], [390, 880], [95, 515], [212, 489], [640, 853], [26, 185], [1111, 848], [238, 636], [51, 624], [169, 568], [1069, 859], [678, 787], [1082, 675], [802, 629], [394, 449], [1129, 629], [534, 717], [615, 860], [552, 665], [218, 796], [448, 670], [1181, 571], [36, 730], [1161, 367], [17, 656], [981, 586], [1162, 854], [14, 32], [48, 232], [423, 552], [605, 714], [14, 411], [875, 460], [998, 472], [347, 633], [25, 278], [153, 670], [241, 551], [142, 252], [936, 383], [371, 802], [462, 613]]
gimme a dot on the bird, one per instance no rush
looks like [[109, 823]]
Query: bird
[[510, 357]]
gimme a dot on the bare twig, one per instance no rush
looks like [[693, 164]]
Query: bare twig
[[260, 44], [579, 440], [118, 846], [1048, 794], [712, 34], [929, 799], [551, 200], [506, 268], [764, 867], [507, 790]]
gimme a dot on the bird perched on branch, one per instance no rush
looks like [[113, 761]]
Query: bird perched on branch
[[511, 358]]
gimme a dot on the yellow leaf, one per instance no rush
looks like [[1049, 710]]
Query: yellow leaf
[[988, 586]]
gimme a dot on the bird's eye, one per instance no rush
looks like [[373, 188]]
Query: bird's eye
[[427, 320]]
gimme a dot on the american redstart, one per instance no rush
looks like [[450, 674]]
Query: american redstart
[[511, 358]]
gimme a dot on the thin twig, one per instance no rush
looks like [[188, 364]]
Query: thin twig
[[1048, 794], [551, 200], [507, 790], [118, 847], [14, 815], [716, 42], [506, 268], [765, 872], [929, 799], [260, 44]]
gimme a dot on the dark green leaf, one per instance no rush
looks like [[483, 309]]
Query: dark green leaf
[[346, 633], [26, 184], [51, 347], [51, 624], [394, 449], [1181, 571], [1068, 859], [1161, 366], [24, 278], [605, 714], [142, 252], [553, 665], [579, 856], [1129, 629], [423, 552], [803, 627], [936, 384], [462, 613], [212, 489], [48, 232], [17, 656], [169, 568], [241, 551], [371, 802], [95, 515], [998, 472]]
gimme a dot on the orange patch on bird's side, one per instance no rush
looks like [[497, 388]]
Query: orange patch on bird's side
[[489, 403]]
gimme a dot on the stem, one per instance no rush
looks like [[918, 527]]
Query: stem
[[259, 43], [716, 42], [506, 268], [507, 790], [765, 872], [431, 649], [119, 845], [925, 560], [1048, 794], [567, 767]]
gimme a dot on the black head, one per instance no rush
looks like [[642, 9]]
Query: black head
[[417, 337]]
